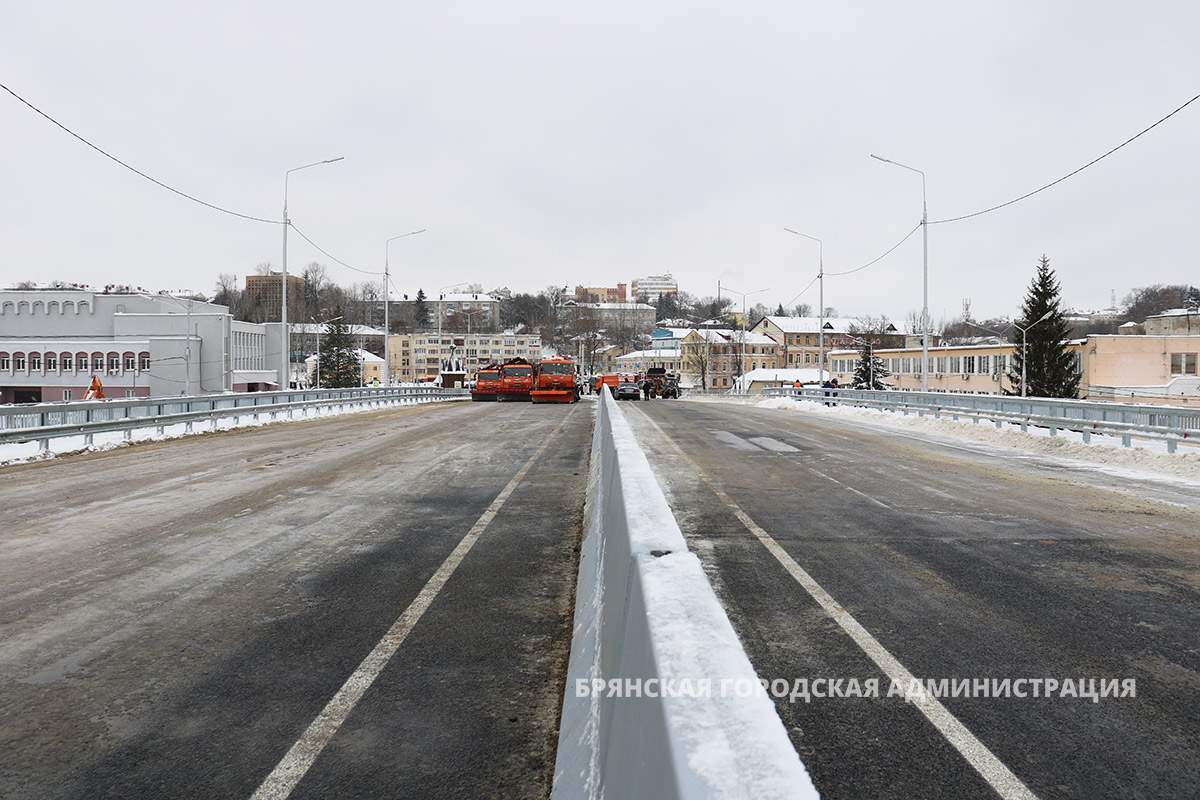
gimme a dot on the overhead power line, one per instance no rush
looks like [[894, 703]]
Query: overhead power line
[[134, 170], [875, 261], [327, 254], [1069, 174]]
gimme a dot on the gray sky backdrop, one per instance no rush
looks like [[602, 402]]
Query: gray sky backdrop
[[590, 143]]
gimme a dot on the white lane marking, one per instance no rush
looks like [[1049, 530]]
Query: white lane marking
[[732, 440], [985, 762], [289, 771], [767, 443], [863, 495]]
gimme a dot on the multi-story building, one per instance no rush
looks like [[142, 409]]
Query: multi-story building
[[421, 356], [801, 337], [264, 295], [139, 345], [1130, 368], [713, 358], [482, 311], [601, 294], [652, 287], [623, 317]]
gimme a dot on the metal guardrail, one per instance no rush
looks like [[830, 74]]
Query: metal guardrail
[[1162, 423], [43, 422]]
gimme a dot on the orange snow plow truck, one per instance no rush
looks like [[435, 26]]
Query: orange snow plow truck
[[554, 382]]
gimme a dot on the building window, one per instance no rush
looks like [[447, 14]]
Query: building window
[[51, 361], [18, 361], [1183, 363], [114, 363], [969, 364], [97, 362], [66, 394], [144, 361], [5, 363], [129, 362]]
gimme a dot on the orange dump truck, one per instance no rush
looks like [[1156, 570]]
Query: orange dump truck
[[555, 382]]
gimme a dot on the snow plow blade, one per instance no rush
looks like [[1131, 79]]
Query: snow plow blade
[[552, 396]]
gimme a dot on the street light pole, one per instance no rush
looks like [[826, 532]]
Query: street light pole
[[925, 274], [286, 339], [742, 371], [821, 301], [1024, 348], [387, 288]]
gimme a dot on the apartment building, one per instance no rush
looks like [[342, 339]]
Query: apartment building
[[421, 356], [264, 295], [601, 294], [652, 287]]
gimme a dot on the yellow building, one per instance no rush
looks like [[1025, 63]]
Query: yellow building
[[1128, 368]]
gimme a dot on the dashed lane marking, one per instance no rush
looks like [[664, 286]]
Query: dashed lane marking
[[283, 779], [985, 762]]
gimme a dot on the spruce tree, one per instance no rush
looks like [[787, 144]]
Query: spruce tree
[[1049, 363], [340, 366], [870, 371], [420, 310]]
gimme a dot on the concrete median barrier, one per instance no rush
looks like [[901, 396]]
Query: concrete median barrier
[[661, 700]]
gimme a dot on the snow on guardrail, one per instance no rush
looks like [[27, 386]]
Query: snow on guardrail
[[653, 706]]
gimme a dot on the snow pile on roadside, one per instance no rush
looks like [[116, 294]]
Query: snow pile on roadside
[[1144, 456]]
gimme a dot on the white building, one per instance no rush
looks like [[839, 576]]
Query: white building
[[652, 287], [52, 341]]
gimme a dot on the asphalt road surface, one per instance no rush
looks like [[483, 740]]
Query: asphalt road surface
[[295, 609], [845, 551]]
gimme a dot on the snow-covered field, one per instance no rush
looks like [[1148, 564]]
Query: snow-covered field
[[1144, 456]]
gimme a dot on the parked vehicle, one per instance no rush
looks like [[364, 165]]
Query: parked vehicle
[[627, 390], [555, 382]]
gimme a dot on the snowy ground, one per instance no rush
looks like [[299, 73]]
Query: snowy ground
[[20, 452], [1104, 451]]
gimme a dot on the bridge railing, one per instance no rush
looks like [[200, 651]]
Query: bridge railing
[[43, 422], [1170, 424]]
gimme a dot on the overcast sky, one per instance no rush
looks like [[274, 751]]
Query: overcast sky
[[594, 143]]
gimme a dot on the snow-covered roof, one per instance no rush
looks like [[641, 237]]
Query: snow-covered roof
[[613, 306], [727, 335], [812, 324], [355, 330], [463, 297], [662, 354], [364, 356]]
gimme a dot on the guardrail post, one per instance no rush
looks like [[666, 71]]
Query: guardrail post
[[1087, 437], [87, 439], [1171, 444], [1126, 440], [43, 445]]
